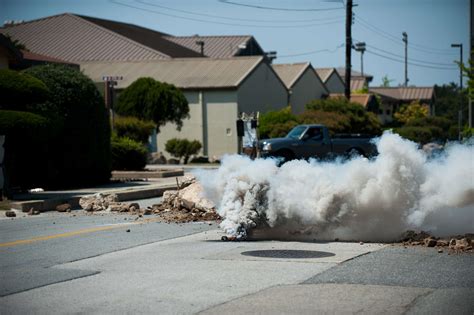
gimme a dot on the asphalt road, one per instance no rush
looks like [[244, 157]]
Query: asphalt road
[[61, 263], [30, 246]]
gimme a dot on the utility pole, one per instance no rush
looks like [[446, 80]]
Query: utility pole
[[347, 77], [405, 40], [471, 16]]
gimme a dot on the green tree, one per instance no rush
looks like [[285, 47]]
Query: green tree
[[386, 81], [412, 111], [182, 148], [79, 146], [149, 99], [15, 42], [449, 98]]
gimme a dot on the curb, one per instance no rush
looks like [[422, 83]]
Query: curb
[[122, 194], [146, 174]]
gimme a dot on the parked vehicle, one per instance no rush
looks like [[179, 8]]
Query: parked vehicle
[[314, 141]]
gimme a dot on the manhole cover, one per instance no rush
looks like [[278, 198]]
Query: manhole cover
[[287, 253]]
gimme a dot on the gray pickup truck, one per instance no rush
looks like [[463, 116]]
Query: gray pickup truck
[[314, 141]]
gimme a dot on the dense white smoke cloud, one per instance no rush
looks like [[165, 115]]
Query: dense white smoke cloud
[[372, 200]]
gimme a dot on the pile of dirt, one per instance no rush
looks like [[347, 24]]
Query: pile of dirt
[[454, 244]]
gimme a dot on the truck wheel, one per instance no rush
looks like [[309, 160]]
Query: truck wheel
[[285, 156], [354, 152]]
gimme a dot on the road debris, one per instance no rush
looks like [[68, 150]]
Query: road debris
[[10, 214], [97, 202], [455, 244], [186, 204], [65, 207], [33, 211]]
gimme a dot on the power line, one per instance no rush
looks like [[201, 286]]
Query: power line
[[218, 22], [312, 52], [235, 18], [412, 59], [277, 8], [410, 63], [397, 40]]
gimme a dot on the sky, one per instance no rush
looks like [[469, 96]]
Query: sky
[[300, 30]]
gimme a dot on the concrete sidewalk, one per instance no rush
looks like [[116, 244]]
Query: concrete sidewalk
[[185, 275], [125, 190]]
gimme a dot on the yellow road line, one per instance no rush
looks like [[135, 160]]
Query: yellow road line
[[73, 233]]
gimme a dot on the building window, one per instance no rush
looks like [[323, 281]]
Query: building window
[[228, 132], [388, 111]]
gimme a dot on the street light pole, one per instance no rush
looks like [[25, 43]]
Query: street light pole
[[460, 86], [360, 47], [405, 40]]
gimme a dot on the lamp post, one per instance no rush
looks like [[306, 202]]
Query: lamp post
[[460, 60], [460, 86], [360, 47], [405, 40]]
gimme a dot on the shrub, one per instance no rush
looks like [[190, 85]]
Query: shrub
[[276, 123], [25, 149], [421, 135], [133, 128], [412, 111], [153, 100], [182, 148], [359, 119], [81, 138], [20, 90], [335, 122], [440, 127], [128, 154]]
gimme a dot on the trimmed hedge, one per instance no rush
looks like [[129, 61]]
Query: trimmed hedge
[[133, 128], [81, 137], [182, 148], [128, 154], [19, 90], [25, 165]]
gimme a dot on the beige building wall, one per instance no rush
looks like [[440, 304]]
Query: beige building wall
[[262, 91], [385, 113], [192, 127], [221, 109], [307, 88], [212, 122], [334, 84]]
